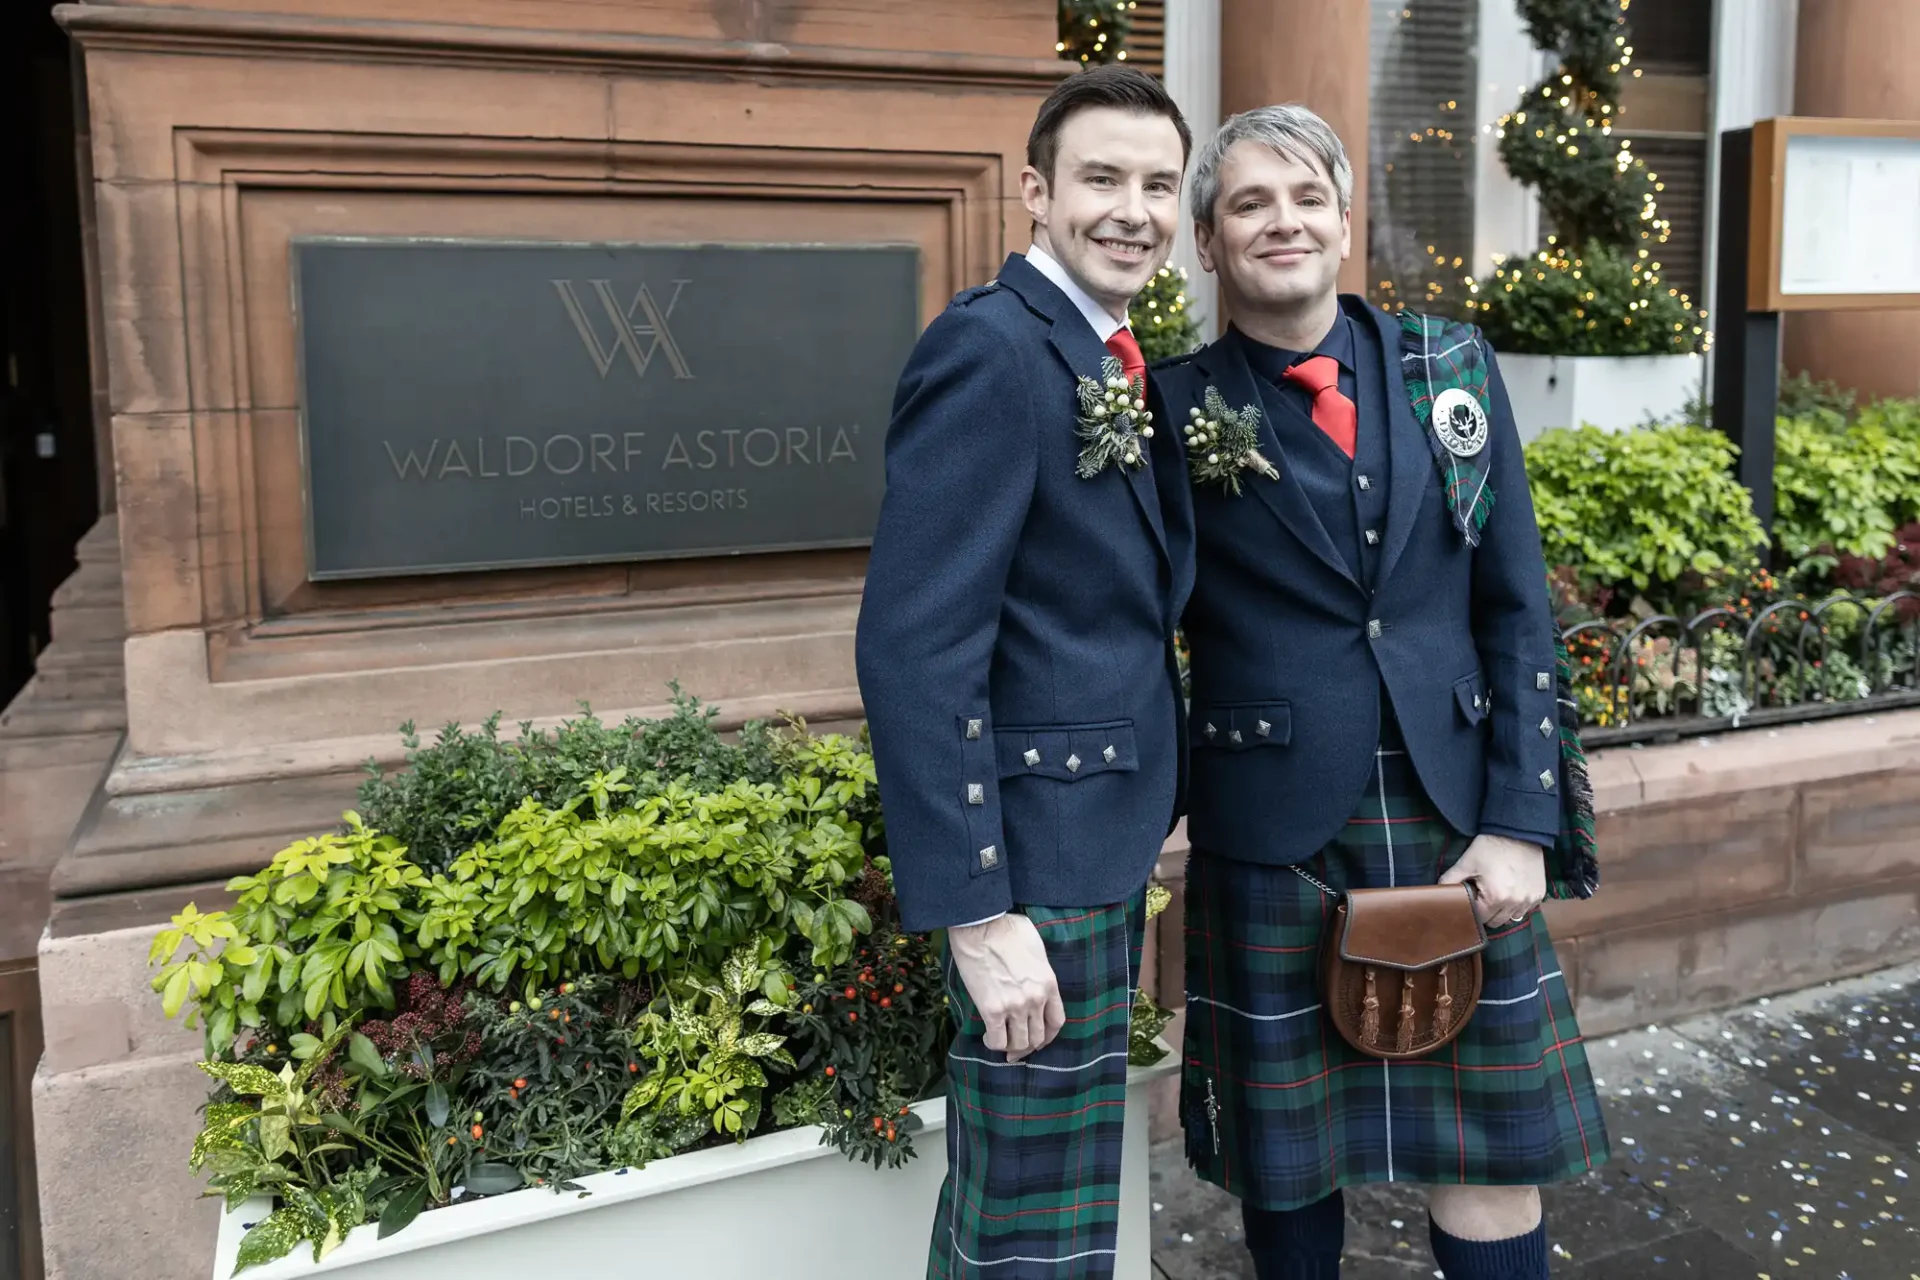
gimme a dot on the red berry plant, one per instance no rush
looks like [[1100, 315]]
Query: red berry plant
[[548, 1082], [870, 1037]]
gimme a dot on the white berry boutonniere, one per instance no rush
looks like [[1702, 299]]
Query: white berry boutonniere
[[1223, 442], [1113, 421]]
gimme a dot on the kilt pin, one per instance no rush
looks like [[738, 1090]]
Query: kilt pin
[[1280, 1111], [1033, 1147]]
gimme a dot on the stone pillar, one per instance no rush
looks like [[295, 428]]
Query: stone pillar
[[1854, 59], [1312, 52], [1193, 78], [1753, 47], [1506, 213]]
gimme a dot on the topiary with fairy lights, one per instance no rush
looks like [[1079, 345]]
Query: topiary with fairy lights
[[1161, 321], [1596, 288], [1093, 31]]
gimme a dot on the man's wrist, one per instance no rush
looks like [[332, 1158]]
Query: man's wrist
[[1534, 838], [975, 924]]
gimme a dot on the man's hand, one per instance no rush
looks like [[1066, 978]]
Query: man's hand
[[1510, 877], [1004, 964]]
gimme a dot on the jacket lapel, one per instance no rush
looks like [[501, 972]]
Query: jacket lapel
[[1410, 460], [1073, 338], [1225, 366]]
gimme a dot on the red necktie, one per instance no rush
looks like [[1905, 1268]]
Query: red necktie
[[1126, 349], [1333, 413]]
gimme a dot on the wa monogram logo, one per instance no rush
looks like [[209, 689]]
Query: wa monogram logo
[[639, 328]]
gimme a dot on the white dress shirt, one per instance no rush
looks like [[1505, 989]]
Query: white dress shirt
[[1103, 321], [1104, 325]]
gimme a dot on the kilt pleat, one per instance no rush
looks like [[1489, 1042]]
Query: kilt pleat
[[1033, 1147], [1280, 1111]]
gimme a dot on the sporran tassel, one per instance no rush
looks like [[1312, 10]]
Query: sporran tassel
[[1403, 1040], [1370, 1020], [1443, 1007]]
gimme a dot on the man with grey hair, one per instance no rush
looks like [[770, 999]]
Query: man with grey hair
[[1374, 675]]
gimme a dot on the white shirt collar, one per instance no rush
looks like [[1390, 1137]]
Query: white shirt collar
[[1104, 325]]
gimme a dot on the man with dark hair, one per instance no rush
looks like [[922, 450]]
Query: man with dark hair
[[1375, 706], [1015, 658]]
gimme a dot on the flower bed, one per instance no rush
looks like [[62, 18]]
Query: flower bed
[[1679, 612], [1761, 657], [529, 962]]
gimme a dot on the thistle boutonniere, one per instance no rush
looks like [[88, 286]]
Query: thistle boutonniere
[[1113, 421], [1223, 442]]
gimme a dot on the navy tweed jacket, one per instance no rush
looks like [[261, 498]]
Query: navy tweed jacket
[[1015, 640], [1285, 634]]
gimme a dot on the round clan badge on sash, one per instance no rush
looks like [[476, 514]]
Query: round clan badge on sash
[[1460, 422]]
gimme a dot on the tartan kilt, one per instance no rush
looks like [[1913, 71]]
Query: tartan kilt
[[1280, 1111], [1033, 1147]]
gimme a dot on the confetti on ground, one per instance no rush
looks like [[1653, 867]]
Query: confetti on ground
[[1772, 1141]]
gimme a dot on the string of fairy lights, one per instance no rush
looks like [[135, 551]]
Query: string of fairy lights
[[1094, 31]]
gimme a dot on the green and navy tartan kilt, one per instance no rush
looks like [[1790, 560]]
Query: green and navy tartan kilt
[[1033, 1147], [1280, 1111]]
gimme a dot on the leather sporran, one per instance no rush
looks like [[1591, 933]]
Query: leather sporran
[[1400, 968]]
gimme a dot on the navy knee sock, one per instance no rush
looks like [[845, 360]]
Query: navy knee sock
[[1297, 1244], [1515, 1258]]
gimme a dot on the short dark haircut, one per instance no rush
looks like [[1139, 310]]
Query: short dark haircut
[[1110, 85]]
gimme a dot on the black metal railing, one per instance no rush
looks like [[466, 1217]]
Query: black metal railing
[[1665, 677]]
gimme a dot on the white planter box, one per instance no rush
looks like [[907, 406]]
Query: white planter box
[[1611, 392], [765, 1209]]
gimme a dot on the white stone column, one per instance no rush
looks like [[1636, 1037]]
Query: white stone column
[[1506, 215], [1193, 78], [1753, 61]]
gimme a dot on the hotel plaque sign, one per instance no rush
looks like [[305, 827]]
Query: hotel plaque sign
[[478, 405]]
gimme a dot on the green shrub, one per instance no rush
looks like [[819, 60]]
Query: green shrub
[[458, 789], [1646, 507], [1560, 137], [1596, 289], [1094, 31], [1800, 396], [599, 884], [1601, 302], [1845, 488], [681, 879], [601, 974]]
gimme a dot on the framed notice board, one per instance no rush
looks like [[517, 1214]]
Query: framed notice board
[[1835, 207]]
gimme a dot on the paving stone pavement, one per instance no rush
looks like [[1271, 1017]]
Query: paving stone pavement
[[1776, 1141]]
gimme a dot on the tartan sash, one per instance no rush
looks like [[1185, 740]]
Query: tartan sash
[[1441, 355], [1436, 356]]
